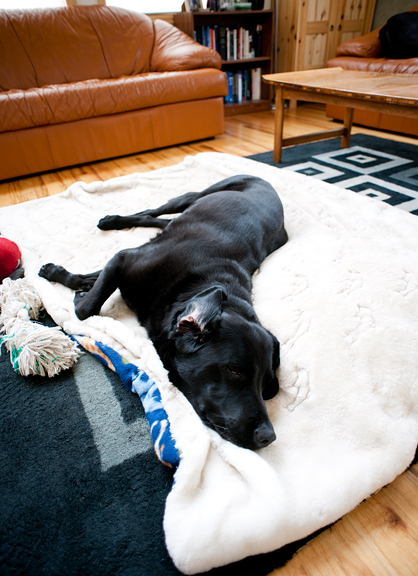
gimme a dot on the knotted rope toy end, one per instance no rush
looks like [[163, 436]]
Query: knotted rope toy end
[[34, 349]]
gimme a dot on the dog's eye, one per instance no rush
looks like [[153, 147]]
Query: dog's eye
[[234, 371]]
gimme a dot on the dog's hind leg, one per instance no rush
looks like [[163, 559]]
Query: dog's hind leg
[[174, 206], [150, 217], [133, 221]]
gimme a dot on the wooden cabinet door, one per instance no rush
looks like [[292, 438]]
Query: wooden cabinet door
[[356, 20], [318, 32], [309, 31]]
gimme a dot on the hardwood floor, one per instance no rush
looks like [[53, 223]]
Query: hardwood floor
[[244, 135], [378, 538]]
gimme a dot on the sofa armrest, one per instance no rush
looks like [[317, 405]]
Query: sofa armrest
[[367, 46], [174, 50]]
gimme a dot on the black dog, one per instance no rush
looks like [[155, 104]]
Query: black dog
[[190, 287]]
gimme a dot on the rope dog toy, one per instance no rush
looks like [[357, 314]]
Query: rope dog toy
[[34, 349]]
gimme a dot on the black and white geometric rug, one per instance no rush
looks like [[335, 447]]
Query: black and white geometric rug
[[376, 167]]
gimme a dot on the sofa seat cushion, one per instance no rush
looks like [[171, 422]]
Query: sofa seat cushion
[[60, 103], [383, 65]]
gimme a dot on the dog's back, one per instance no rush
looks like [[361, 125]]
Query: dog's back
[[222, 237], [240, 225]]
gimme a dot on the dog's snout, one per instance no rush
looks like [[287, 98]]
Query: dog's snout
[[264, 435]]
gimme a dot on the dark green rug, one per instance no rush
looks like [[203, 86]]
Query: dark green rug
[[376, 167], [61, 512], [82, 491]]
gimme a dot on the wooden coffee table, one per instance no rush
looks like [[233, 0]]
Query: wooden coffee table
[[390, 93]]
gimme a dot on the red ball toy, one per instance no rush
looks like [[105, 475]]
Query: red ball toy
[[9, 257]]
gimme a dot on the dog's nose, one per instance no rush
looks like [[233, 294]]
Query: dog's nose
[[264, 435]]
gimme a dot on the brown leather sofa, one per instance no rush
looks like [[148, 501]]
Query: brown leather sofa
[[365, 53], [86, 83]]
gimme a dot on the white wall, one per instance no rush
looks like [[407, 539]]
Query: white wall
[[147, 6], [8, 4], [387, 8]]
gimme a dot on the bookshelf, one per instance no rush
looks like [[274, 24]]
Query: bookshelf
[[195, 24]]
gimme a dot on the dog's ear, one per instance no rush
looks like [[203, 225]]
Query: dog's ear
[[272, 387], [200, 317], [276, 353]]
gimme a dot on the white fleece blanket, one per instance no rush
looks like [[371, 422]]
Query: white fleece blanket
[[342, 298]]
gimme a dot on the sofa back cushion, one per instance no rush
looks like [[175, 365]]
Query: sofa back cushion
[[174, 51], [60, 45]]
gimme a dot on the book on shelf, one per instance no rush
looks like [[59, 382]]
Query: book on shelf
[[232, 43], [243, 86], [256, 83]]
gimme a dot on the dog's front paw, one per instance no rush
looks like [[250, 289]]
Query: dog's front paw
[[109, 223], [47, 271], [53, 273]]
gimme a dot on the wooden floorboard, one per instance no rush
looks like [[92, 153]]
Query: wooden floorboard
[[380, 537]]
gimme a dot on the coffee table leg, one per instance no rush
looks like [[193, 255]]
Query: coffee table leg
[[348, 122], [278, 125]]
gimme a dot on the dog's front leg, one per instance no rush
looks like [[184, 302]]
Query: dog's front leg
[[89, 303], [92, 290], [59, 274]]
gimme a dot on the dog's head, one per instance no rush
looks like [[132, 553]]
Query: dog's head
[[225, 365]]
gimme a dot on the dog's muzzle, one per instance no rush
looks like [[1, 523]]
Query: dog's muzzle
[[264, 435]]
